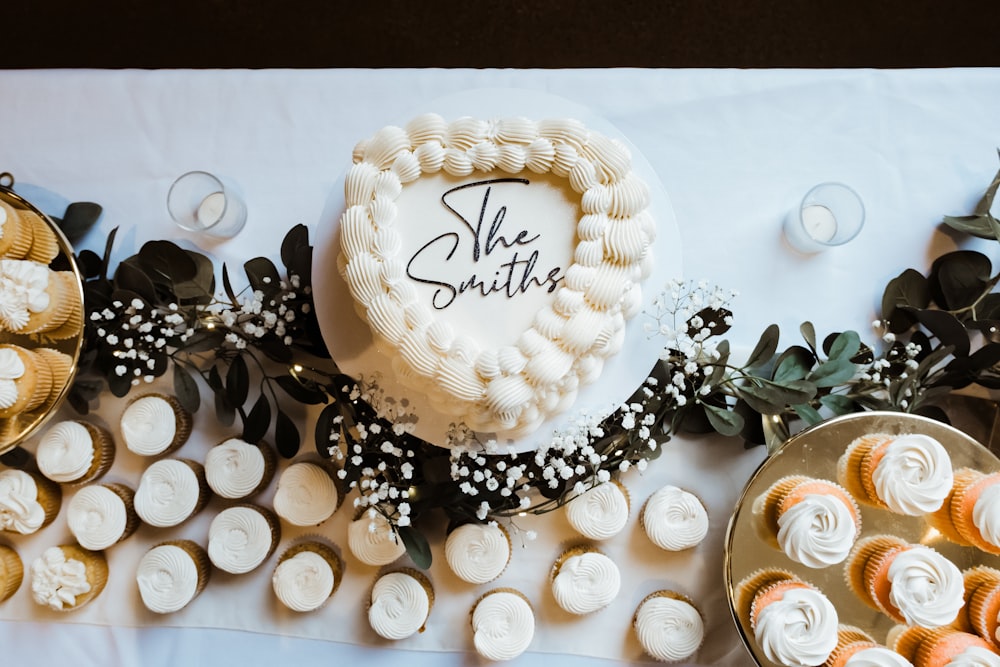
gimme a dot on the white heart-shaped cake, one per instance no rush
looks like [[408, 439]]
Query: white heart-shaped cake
[[507, 295]]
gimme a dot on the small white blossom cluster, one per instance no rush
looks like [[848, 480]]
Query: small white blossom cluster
[[380, 461], [690, 341], [139, 337], [896, 365], [257, 314]]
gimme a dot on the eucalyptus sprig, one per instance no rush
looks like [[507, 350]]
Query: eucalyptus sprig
[[159, 310]]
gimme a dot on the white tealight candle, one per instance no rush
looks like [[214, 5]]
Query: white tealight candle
[[819, 222], [211, 208]]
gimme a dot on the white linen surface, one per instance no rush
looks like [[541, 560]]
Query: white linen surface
[[734, 150]]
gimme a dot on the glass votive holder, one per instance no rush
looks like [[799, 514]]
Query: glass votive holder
[[829, 215], [199, 202]]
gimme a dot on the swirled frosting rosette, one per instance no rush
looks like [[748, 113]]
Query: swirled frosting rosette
[[242, 537], [908, 474], [28, 501], [584, 580], [170, 491], [503, 624], [814, 521], [911, 583], [477, 553], [674, 519], [307, 575], [154, 424], [600, 512], [372, 539], [306, 494], [793, 623], [170, 575], [669, 626], [236, 469], [75, 451], [102, 515], [400, 604], [509, 389]]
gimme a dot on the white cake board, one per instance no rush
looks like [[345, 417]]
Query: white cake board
[[349, 338]]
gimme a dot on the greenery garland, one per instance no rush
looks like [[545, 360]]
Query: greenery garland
[[256, 349]]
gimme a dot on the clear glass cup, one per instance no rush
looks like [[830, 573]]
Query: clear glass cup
[[200, 202], [829, 215]]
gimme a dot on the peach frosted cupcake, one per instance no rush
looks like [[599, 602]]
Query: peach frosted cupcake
[[75, 452], [773, 602], [982, 608], [669, 626], [856, 648], [67, 577], [910, 583], [971, 513], [908, 474], [814, 521], [28, 501], [477, 552], [944, 647]]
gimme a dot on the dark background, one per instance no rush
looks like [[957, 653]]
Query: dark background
[[501, 33]]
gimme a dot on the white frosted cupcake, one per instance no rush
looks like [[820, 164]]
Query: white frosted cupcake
[[242, 537], [28, 501], [102, 515], [75, 452], [477, 552], [171, 491], [400, 604], [373, 541], [503, 624], [669, 626], [67, 577], [306, 494], [600, 512], [155, 424], [307, 575], [236, 469], [172, 574], [584, 580], [674, 519]]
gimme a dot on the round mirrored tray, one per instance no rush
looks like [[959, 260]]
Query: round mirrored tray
[[15, 429], [814, 452]]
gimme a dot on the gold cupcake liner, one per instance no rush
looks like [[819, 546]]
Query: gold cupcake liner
[[864, 562], [868, 465], [33, 387], [44, 246], [60, 365], [204, 490], [933, 640], [983, 610], [319, 546], [104, 452], [850, 640], [908, 641], [15, 243], [73, 323], [747, 589], [773, 498], [203, 565], [96, 569], [127, 496], [49, 497], [11, 572], [849, 472]]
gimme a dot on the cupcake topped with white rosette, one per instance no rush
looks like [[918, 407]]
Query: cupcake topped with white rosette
[[171, 491], [236, 469], [155, 424], [674, 519], [172, 574], [478, 552], [373, 540], [400, 604], [242, 537], [503, 624], [101, 515], [307, 575], [600, 512], [584, 580], [306, 494]]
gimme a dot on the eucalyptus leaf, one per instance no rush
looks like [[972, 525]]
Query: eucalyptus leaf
[[974, 225], [286, 435], [78, 219], [907, 289], [225, 413], [808, 414], [131, 277], [106, 258], [119, 384], [771, 398], [257, 421], [324, 428], [838, 404], [227, 285], [167, 263], [204, 340], [808, 332], [845, 346], [984, 205], [237, 381], [417, 546], [263, 275], [301, 389], [89, 263], [296, 238], [186, 389], [201, 287], [832, 372], [947, 329], [725, 422], [793, 364], [766, 346], [958, 279]]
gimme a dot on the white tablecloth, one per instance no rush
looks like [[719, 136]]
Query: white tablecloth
[[733, 149]]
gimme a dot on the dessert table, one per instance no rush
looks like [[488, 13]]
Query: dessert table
[[734, 150]]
